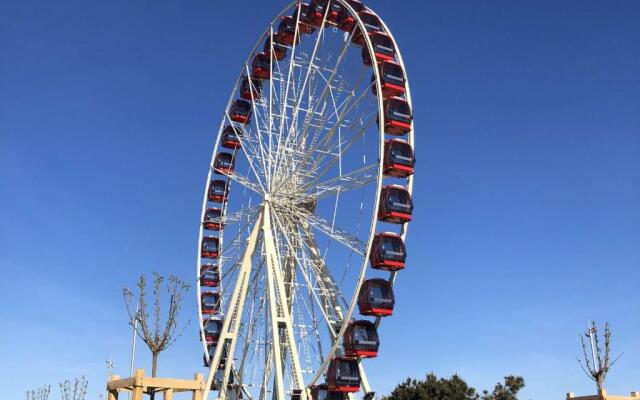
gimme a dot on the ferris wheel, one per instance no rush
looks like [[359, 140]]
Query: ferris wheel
[[305, 208]]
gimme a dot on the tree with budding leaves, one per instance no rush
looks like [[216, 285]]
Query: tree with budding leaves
[[158, 335]]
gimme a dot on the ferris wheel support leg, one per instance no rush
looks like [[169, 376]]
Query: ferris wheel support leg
[[229, 333], [266, 373], [330, 289], [281, 323], [364, 381]]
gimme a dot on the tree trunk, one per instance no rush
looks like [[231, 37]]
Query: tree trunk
[[154, 364], [599, 385], [154, 371]]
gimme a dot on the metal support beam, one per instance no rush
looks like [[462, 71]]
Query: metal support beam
[[231, 324], [281, 323]]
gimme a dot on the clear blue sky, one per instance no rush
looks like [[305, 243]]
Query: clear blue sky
[[527, 216]]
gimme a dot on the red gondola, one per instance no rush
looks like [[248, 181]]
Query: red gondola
[[387, 252], [395, 205], [343, 375], [346, 21], [335, 9], [371, 23], [399, 160], [397, 116], [321, 392], [316, 12], [376, 298], [382, 47], [303, 25], [279, 50], [224, 163], [287, 31], [361, 339], [212, 219], [392, 79], [210, 302], [218, 191], [250, 87], [261, 66], [240, 111], [212, 329], [210, 247], [231, 137], [209, 275]]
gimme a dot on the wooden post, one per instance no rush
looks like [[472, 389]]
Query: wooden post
[[136, 391], [113, 394], [168, 394], [197, 394]]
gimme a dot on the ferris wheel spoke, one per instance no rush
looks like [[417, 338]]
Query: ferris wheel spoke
[[285, 100], [320, 294], [329, 291], [329, 82], [259, 134], [337, 234], [248, 154], [343, 183], [326, 167], [311, 67], [318, 128], [243, 214], [242, 180], [331, 131], [237, 240], [230, 272], [270, 126], [300, 302], [322, 290], [349, 104], [323, 273]]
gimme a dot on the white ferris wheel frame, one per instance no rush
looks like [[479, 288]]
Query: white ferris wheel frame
[[229, 329]]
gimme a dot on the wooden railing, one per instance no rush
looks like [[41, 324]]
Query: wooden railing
[[603, 395], [139, 385]]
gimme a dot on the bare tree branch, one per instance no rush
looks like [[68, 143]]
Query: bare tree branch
[[586, 358], [598, 373], [157, 282], [79, 391], [157, 335], [41, 393]]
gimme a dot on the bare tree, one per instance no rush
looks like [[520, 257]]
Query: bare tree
[[598, 365], [41, 393], [76, 392], [155, 334]]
